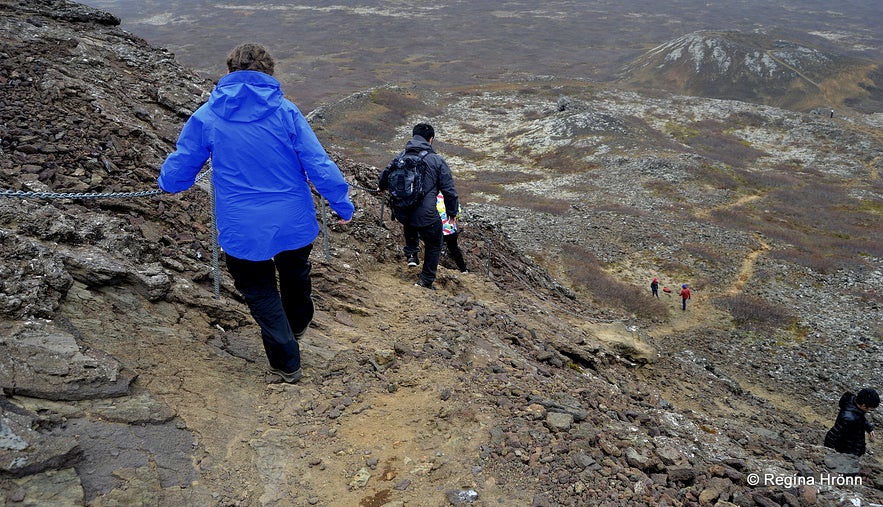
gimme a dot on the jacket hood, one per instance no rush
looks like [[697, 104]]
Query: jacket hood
[[245, 96], [417, 143], [847, 401]]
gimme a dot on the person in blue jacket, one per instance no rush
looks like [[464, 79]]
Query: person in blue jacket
[[264, 155]]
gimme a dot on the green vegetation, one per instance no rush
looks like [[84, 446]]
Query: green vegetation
[[681, 132], [823, 227], [712, 255], [565, 160], [719, 177], [365, 126], [534, 202], [756, 314], [715, 139], [494, 182]]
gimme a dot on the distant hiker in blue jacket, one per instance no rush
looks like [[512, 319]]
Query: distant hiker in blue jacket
[[264, 156]]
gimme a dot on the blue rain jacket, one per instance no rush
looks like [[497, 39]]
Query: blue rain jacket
[[263, 153]]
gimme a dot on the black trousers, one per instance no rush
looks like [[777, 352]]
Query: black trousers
[[454, 250], [432, 246], [283, 308]]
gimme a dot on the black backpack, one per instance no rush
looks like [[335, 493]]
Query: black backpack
[[406, 179]]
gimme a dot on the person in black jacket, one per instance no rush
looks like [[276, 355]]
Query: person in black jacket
[[847, 436], [423, 222]]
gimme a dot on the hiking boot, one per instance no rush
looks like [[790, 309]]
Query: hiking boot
[[298, 336], [413, 260], [288, 378], [424, 285]]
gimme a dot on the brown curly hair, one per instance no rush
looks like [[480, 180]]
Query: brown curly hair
[[250, 56]]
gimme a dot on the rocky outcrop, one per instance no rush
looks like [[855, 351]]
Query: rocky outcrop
[[43, 361]]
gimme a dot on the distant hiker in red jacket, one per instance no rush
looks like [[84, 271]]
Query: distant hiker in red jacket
[[654, 286], [685, 295]]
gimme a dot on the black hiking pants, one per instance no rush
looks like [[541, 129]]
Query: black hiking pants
[[283, 309], [432, 246], [454, 250]]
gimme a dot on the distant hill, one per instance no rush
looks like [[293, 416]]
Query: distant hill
[[759, 67]]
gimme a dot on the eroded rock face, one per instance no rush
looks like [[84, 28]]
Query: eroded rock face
[[79, 114], [25, 450], [33, 278]]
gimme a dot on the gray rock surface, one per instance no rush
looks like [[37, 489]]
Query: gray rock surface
[[40, 360]]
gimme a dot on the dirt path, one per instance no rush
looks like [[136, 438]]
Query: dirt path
[[790, 67], [368, 434], [705, 213], [746, 272], [682, 340]]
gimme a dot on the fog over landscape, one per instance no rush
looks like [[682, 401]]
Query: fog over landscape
[[329, 49]]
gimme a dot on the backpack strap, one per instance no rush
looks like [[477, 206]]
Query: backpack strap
[[422, 155]]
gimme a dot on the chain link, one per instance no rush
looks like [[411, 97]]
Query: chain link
[[372, 190], [117, 195], [72, 195], [89, 195], [146, 193], [215, 247]]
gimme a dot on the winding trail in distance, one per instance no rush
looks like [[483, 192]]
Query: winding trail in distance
[[746, 271]]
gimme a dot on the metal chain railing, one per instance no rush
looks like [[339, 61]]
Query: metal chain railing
[[373, 191], [130, 195], [73, 195], [215, 246], [146, 193], [89, 195]]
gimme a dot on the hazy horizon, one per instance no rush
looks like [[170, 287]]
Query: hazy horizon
[[326, 51]]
